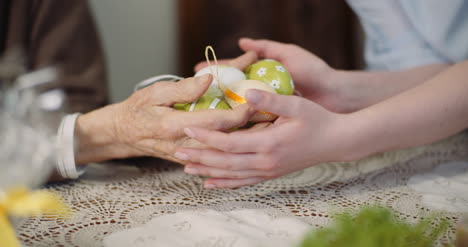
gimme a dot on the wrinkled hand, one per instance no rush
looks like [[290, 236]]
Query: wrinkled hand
[[149, 125], [146, 124], [305, 134]]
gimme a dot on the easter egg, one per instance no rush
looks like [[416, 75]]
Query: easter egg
[[205, 102], [234, 95], [272, 73], [226, 74]]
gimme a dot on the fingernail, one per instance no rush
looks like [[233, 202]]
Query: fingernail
[[181, 156], [202, 78], [210, 186], [191, 170], [254, 96], [189, 132]]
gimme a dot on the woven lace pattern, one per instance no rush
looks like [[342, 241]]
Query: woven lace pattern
[[122, 195]]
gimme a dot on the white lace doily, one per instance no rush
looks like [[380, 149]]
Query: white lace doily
[[445, 187], [205, 228], [115, 201]]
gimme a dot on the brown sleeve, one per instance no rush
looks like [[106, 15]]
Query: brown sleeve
[[63, 34]]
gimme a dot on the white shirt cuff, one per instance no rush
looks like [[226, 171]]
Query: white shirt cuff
[[66, 166]]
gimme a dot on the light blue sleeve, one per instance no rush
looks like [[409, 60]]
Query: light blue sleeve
[[442, 24], [407, 33]]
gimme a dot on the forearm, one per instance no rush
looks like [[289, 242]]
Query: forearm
[[426, 113], [360, 89], [96, 139]]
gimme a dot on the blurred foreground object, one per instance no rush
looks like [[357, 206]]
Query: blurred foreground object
[[20, 201], [28, 123], [28, 120]]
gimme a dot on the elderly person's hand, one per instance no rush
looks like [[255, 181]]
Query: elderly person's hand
[[146, 124]]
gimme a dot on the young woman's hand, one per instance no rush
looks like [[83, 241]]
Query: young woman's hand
[[305, 134]]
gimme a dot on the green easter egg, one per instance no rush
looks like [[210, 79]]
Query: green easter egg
[[205, 102], [272, 73]]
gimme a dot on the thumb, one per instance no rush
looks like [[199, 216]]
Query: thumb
[[264, 48], [243, 61], [281, 105], [184, 91]]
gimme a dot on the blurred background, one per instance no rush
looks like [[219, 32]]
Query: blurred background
[[146, 37]]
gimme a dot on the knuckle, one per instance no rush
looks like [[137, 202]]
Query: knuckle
[[270, 164], [271, 174], [204, 172], [201, 156], [214, 124], [216, 174], [179, 88], [235, 175], [265, 167], [227, 146], [238, 118], [228, 166], [296, 105], [165, 147], [244, 118], [267, 99], [269, 147], [274, 162], [167, 128]]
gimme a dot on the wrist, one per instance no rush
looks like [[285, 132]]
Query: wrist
[[341, 91], [334, 91], [358, 140], [97, 138]]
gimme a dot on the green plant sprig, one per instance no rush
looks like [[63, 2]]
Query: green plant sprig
[[375, 226]]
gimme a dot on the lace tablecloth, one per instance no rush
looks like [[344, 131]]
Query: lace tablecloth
[[149, 202]]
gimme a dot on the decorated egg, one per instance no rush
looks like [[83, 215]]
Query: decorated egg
[[226, 74], [205, 102], [272, 73], [234, 95]]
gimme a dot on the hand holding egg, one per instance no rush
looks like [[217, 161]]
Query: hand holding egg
[[231, 84]]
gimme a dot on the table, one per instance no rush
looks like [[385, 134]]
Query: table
[[135, 200]]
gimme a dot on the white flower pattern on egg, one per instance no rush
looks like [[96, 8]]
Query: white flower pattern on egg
[[280, 68], [292, 84], [275, 84], [262, 71]]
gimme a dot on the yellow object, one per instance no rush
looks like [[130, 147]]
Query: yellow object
[[20, 201], [233, 96]]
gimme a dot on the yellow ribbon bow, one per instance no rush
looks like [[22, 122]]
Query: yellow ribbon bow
[[20, 201]]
